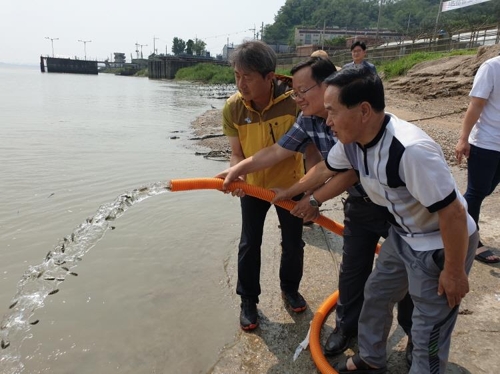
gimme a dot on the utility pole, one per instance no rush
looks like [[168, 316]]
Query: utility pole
[[52, 42], [253, 31], [379, 14], [154, 43], [323, 35], [142, 45], [137, 49], [437, 19], [85, 46]]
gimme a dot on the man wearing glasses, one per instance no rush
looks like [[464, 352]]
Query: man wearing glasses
[[358, 53], [365, 222]]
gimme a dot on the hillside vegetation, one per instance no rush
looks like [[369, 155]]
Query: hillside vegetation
[[411, 18]]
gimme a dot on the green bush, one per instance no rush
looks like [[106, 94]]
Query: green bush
[[206, 73], [401, 66]]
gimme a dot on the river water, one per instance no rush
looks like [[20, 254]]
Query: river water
[[151, 295]]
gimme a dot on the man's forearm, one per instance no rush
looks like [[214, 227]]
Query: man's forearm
[[474, 110], [314, 178], [335, 186], [453, 227]]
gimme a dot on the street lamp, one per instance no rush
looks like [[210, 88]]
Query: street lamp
[[85, 46], [52, 42]]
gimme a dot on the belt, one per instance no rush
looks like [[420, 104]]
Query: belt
[[366, 199]]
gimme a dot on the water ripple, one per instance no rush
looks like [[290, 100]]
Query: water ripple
[[43, 280]]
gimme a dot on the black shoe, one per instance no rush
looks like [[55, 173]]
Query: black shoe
[[248, 316], [295, 301], [337, 343], [409, 352]]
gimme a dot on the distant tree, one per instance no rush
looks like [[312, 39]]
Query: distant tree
[[178, 46], [189, 46], [199, 46]]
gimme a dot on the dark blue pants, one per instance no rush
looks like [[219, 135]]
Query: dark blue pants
[[483, 175], [364, 224], [253, 212]]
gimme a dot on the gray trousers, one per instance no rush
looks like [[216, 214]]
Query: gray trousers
[[400, 269]]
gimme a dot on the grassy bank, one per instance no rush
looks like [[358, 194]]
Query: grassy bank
[[215, 74], [396, 68], [206, 73]]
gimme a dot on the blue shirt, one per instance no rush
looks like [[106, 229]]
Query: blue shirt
[[364, 63], [313, 129], [307, 130]]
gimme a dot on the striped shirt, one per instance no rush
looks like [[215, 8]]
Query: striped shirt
[[313, 129], [307, 130], [403, 169]]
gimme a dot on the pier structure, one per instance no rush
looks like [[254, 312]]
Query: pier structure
[[165, 67], [67, 65]]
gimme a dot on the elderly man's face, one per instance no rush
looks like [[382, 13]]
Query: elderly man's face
[[346, 123]]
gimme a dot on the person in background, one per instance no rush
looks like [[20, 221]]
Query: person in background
[[255, 117], [320, 53], [432, 239], [479, 142], [358, 53], [365, 222]]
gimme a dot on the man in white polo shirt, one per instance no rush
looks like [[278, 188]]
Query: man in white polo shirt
[[479, 142], [432, 241]]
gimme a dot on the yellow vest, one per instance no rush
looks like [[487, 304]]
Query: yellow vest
[[259, 130]]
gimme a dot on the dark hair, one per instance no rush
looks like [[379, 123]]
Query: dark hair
[[361, 44], [321, 68], [254, 56], [356, 85]]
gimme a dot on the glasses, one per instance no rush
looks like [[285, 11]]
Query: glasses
[[300, 94]]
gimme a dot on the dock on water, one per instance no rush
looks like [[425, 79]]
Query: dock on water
[[67, 65]]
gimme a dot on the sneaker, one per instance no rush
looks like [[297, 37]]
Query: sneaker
[[295, 301], [337, 342], [248, 315]]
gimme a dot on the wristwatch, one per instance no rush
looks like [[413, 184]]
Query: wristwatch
[[314, 203]]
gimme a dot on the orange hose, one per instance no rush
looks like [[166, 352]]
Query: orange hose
[[319, 317], [255, 191], [314, 342]]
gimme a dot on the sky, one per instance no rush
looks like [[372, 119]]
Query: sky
[[108, 26]]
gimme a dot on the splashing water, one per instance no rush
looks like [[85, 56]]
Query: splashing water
[[42, 280]]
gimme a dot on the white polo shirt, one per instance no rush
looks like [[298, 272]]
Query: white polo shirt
[[404, 170], [486, 131]]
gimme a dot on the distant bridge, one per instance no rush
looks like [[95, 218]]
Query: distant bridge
[[165, 67]]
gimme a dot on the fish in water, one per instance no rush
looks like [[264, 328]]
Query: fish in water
[[50, 278], [73, 273], [34, 322], [54, 291], [4, 344], [13, 304]]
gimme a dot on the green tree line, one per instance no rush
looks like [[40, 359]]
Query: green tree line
[[411, 18], [190, 47]]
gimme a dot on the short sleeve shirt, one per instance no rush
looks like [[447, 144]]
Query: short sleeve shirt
[[486, 132], [404, 170]]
